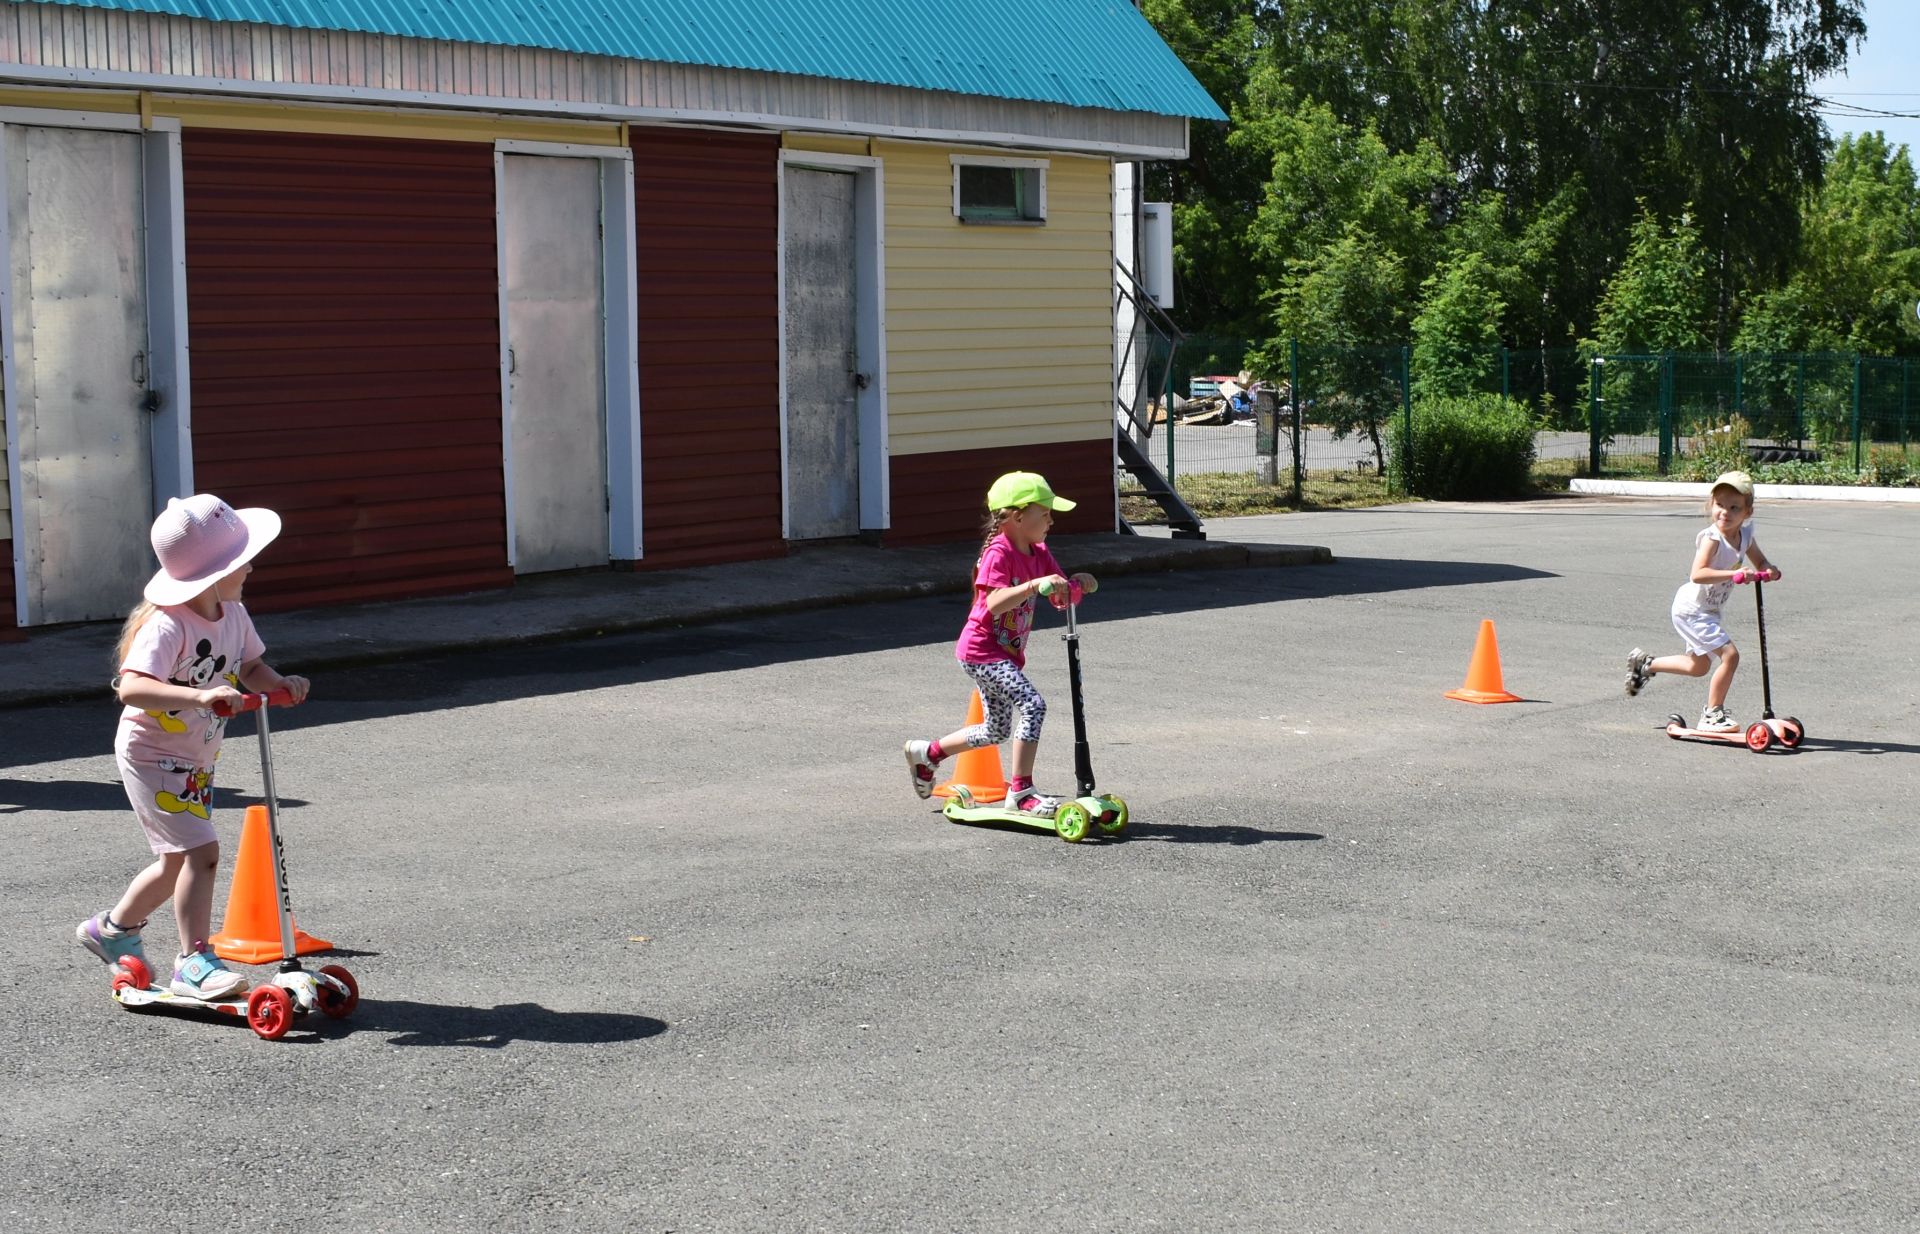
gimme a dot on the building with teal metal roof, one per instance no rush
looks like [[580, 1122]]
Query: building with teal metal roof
[[471, 289], [1076, 53]]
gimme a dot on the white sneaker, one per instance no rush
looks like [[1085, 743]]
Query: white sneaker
[[1716, 720], [920, 768], [1035, 803]]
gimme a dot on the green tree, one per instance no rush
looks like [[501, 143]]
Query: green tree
[[1684, 104], [1858, 276], [1456, 335], [1659, 298], [1340, 303]]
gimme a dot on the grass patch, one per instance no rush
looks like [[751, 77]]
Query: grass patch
[[1228, 494], [1232, 493], [1555, 475]]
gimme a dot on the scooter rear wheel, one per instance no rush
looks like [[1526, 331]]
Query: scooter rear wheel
[[130, 972], [270, 1011]]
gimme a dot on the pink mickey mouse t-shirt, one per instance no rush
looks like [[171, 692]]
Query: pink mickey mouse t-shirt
[[986, 638], [178, 645]]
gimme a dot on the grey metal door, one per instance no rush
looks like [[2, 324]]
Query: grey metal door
[[823, 425], [556, 381], [76, 252]]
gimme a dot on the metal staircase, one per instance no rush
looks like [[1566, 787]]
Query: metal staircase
[[1137, 380]]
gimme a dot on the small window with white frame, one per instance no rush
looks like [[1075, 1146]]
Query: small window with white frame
[[1011, 192]]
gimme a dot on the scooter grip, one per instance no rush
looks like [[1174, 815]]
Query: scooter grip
[[281, 697]]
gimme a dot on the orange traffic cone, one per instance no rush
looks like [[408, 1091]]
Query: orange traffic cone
[[1483, 683], [979, 768], [251, 931]]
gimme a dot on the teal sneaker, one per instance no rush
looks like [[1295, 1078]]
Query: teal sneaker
[[203, 975], [97, 935]]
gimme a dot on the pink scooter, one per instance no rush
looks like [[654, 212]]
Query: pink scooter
[[1762, 733]]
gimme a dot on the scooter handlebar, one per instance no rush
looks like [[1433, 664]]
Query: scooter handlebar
[[223, 707], [1755, 576], [1060, 598]]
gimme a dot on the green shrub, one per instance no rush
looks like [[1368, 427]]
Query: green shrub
[[1473, 448]]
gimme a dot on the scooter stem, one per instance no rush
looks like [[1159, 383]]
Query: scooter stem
[[1760, 616], [283, 900], [1082, 754]]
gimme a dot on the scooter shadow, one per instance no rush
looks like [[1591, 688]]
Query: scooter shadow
[[1214, 835], [1857, 747], [490, 1028]]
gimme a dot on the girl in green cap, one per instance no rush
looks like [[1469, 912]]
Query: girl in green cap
[[1014, 568]]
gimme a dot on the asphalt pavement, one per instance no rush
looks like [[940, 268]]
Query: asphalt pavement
[[652, 933]]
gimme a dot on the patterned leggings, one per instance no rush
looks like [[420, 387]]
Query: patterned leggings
[[1003, 687]]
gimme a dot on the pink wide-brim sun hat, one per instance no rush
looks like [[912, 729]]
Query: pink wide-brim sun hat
[[200, 540]]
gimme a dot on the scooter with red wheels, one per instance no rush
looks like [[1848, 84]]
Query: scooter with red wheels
[[1076, 818], [269, 1010], [1762, 733]]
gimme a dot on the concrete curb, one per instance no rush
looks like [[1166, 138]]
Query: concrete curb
[[1766, 492]]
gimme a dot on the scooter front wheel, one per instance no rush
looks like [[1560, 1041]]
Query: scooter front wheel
[[334, 1004], [1071, 821], [1113, 820], [270, 1011], [1791, 733], [1759, 737]]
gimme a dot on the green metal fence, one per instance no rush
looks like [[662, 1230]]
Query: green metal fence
[[1608, 414], [1648, 412]]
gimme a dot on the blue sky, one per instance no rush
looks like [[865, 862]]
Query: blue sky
[[1882, 74]]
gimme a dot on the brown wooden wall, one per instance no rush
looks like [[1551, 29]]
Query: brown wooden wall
[[707, 226], [943, 496], [343, 301]]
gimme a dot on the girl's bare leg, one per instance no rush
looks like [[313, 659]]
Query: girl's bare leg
[[149, 890], [1681, 666], [1722, 679], [193, 895]]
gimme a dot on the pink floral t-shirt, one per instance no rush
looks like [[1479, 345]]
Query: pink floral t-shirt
[[986, 638]]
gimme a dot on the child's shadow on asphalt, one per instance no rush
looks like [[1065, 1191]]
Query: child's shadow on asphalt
[[490, 1028], [1214, 835]]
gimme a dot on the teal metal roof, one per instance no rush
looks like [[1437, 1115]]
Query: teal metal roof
[[1081, 53]]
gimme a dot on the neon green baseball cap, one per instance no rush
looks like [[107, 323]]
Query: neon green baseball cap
[[1024, 488]]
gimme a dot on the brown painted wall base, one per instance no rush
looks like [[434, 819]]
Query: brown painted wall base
[[939, 498], [8, 632]]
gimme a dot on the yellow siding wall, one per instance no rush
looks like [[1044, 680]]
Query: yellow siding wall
[[996, 336]]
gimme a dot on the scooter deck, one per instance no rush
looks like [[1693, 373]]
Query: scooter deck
[[1682, 732], [1760, 736], [160, 996], [1076, 818]]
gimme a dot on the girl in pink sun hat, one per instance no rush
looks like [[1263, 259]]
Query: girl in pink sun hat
[[187, 644]]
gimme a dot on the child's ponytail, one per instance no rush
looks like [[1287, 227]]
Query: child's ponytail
[[137, 618], [988, 530]]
